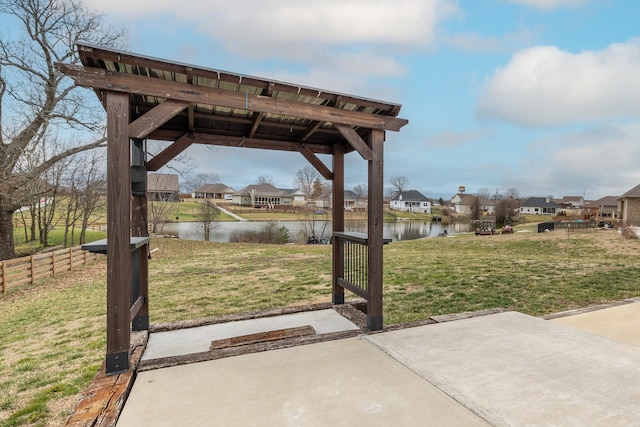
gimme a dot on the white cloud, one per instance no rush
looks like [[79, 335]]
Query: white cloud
[[266, 25], [598, 161], [549, 4], [450, 139], [545, 86], [475, 42], [343, 39]]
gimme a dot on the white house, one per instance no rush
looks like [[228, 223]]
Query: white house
[[410, 201], [539, 206]]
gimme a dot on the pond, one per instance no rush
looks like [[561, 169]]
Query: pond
[[399, 230]]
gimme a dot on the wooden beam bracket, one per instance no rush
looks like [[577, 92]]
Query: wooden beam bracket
[[355, 140], [315, 162]]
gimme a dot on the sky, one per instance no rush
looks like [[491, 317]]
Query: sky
[[538, 95]]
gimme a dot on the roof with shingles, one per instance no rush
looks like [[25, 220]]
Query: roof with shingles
[[162, 182], [214, 189], [634, 192], [410, 195], [603, 201], [470, 199], [539, 202], [263, 190]]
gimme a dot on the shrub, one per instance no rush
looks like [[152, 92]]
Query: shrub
[[270, 233], [629, 233]]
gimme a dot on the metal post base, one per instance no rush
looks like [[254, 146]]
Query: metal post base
[[374, 323], [117, 363], [140, 323]]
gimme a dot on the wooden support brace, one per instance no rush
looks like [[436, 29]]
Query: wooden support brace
[[258, 337], [155, 118], [169, 153], [316, 162], [354, 139]]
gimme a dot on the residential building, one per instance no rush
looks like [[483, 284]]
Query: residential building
[[216, 191], [571, 202], [539, 206], [298, 195], [351, 201], [465, 204], [262, 195], [629, 206], [603, 208], [410, 201], [163, 187]]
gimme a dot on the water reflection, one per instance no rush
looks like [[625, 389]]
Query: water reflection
[[397, 231]]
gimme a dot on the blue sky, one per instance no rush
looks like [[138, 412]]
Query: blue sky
[[538, 95]]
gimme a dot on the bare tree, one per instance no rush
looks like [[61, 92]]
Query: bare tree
[[360, 191], [86, 195], [484, 192], [265, 179], [308, 181], [475, 208], [513, 193], [159, 211], [505, 211], [47, 211], [399, 183], [205, 216], [197, 181], [92, 196], [39, 100]]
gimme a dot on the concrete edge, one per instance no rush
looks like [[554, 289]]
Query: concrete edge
[[186, 324], [588, 309]]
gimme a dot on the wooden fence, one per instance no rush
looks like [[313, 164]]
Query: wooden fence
[[20, 271]]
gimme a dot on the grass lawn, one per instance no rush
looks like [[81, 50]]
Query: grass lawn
[[53, 334]]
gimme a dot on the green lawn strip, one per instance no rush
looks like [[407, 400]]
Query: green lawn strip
[[53, 333]]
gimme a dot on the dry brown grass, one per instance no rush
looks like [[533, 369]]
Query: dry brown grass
[[53, 334]]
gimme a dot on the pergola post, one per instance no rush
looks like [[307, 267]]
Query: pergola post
[[118, 237], [375, 239], [337, 221]]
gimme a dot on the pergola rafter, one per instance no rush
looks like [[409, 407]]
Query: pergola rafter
[[148, 98]]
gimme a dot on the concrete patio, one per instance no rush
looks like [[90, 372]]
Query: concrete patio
[[501, 369]]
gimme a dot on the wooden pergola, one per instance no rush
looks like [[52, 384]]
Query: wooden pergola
[[152, 99]]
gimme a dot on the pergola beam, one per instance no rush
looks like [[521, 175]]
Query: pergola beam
[[98, 78], [267, 144]]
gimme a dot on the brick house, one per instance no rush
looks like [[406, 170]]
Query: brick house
[[629, 206]]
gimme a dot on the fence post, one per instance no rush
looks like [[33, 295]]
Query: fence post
[[33, 280], [53, 261], [70, 259], [4, 277]]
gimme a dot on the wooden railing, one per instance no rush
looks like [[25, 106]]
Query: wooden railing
[[139, 253], [27, 270], [353, 271], [353, 268]]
